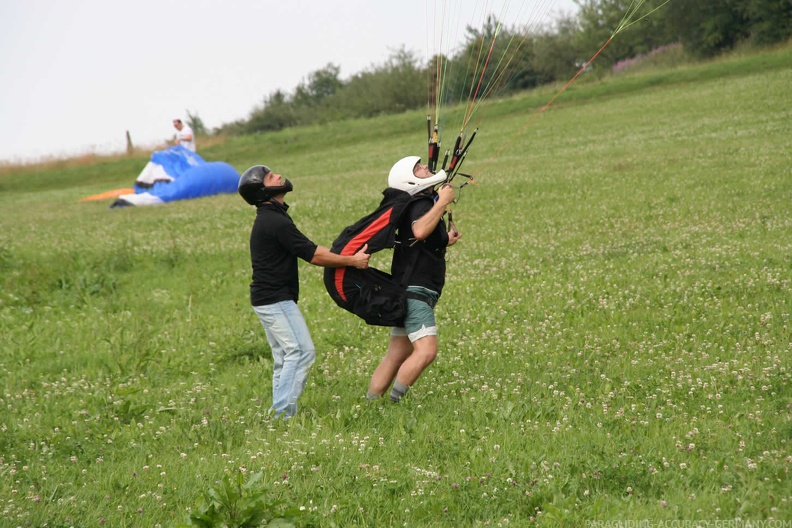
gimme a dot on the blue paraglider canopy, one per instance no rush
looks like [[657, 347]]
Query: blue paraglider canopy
[[179, 174]]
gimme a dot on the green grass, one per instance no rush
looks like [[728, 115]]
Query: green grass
[[614, 333]]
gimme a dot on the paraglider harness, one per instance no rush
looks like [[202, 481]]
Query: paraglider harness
[[371, 294], [374, 295]]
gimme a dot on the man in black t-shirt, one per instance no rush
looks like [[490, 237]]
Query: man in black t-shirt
[[419, 262], [275, 246]]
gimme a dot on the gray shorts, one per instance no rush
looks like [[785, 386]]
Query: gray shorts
[[420, 319]]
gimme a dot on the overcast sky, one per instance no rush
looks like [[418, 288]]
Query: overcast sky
[[76, 75]]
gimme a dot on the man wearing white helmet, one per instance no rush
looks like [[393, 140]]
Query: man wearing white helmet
[[419, 262]]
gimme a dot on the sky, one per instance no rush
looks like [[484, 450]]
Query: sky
[[76, 76]]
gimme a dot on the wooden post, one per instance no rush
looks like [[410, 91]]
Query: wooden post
[[130, 148]]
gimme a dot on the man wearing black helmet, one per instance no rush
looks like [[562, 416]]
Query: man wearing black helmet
[[275, 246]]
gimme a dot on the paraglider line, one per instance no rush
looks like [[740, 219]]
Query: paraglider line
[[547, 105]]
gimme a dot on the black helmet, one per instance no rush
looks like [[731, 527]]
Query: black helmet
[[252, 188]]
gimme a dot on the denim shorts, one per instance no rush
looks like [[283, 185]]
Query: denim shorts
[[420, 319]]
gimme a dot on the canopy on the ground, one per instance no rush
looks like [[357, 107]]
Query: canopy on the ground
[[179, 174]]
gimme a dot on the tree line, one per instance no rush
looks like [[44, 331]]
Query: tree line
[[703, 28]]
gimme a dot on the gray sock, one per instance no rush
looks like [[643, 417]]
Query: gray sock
[[371, 396], [398, 391]]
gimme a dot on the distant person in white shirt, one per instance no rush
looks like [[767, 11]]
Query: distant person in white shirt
[[184, 135]]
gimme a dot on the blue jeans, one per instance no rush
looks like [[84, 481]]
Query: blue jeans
[[293, 353]]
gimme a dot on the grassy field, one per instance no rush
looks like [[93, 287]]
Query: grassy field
[[614, 334]]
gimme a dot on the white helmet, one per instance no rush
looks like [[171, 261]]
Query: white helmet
[[401, 176]]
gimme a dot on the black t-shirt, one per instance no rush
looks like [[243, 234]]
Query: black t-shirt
[[430, 267], [275, 245]]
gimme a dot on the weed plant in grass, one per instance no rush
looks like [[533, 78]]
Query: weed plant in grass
[[615, 331]]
